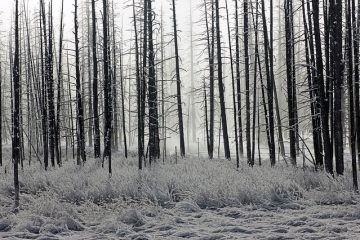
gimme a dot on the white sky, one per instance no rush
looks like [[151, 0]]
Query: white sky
[[7, 6]]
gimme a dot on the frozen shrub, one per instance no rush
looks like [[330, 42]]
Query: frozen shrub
[[132, 217]]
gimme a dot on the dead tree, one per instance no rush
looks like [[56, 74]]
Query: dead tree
[[338, 68], [97, 148], [44, 79], [178, 84], [238, 84], [1, 140], [290, 69], [233, 87], [16, 110], [107, 88], [59, 88], [210, 36], [154, 146], [270, 85], [81, 157], [138, 90], [319, 83], [350, 69], [247, 83], [221, 85]]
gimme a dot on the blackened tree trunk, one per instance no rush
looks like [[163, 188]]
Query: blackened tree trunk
[[290, 68], [144, 72], [350, 68], [154, 146], [256, 24], [138, 90], [44, 79], [178, 85], [356, 40], [107, 87], [221, 85], [1, 140], [79, 104], [115, 127], [50, 88], [211, 49], [318, 141], [97, 148], [59, 90], [338, 66], [270, 86], [247, 83], [233, 87], [310, 61], [319, 82], [16, 121], [238, 84]]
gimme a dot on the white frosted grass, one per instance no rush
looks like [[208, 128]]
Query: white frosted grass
[[195, 199], [209, 184]]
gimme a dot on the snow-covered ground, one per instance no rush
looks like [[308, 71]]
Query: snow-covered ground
[[195, 199]]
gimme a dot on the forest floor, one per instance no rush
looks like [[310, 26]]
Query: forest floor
[[194, 199]]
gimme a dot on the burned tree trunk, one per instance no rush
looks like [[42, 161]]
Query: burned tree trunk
[[154, 146], [338, 68], [16, 110], [221, 85], [79, 103], [97, 148], [139, 96], [107, 88], [319, 82], [59, 88], [247, 83], [290, 69], [350, 68], [238, 84], [178, 85], [270, 86], [233, 87]]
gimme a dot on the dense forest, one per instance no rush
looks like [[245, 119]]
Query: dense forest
[[259, 83]]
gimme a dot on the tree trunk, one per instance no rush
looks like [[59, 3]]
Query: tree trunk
[[79, 104], [107, 88], [233, 87], [97, 148], [178, 85], [154, 147], [247, 83], [238, 84], [59, 87], [336, 49], [290, 68], [221, 85], [139, 94], [211, 49], [319, 84], [349, 52], [16, 110], [270, 86]]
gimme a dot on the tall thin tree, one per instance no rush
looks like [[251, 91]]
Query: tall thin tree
[[178, 84]]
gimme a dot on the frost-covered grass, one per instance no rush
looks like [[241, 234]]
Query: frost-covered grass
[[210, 184], [196, 199]]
